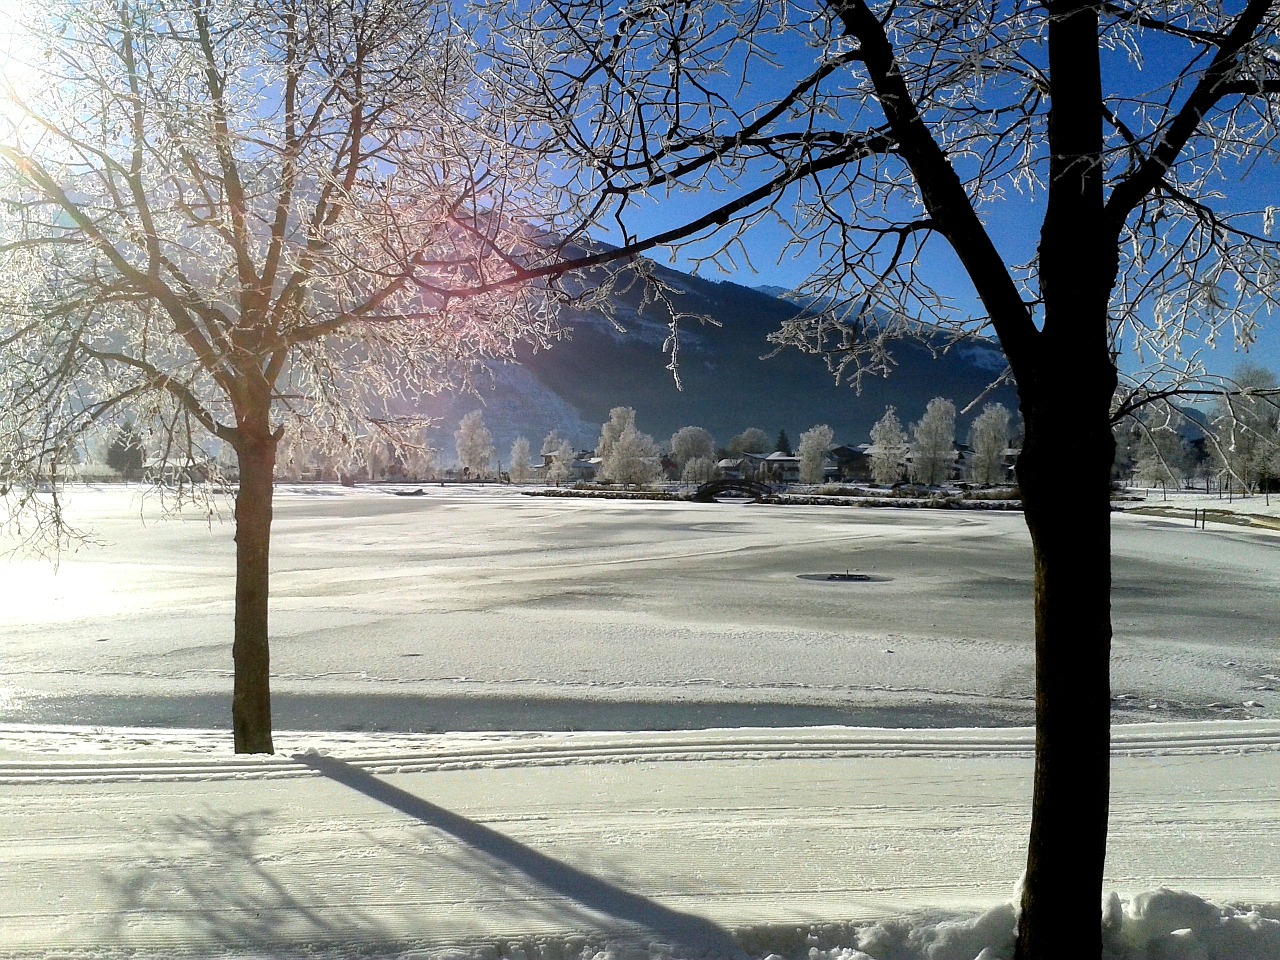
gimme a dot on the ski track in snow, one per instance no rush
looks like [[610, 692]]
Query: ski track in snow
[[399, 753], [532, 846]]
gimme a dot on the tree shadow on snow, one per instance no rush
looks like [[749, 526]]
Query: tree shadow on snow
[[593, 900], [206, 880]]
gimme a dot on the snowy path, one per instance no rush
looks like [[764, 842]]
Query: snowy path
[[152, 842]]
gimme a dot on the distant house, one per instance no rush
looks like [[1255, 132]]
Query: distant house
[[777, 467], [585, 466], [849, 462], [1011, 455], [733, 468]]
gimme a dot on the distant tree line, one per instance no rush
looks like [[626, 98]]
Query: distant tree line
[[927, 454], [1235, 445]]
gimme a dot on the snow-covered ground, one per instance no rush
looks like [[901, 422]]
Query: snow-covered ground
[[1261, 506], [478, 609], [734, 799], [814, 842]]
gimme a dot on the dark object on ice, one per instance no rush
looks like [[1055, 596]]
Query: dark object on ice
[[412, 493], [845, 577]]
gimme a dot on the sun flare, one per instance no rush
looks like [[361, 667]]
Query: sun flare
[[18, 72]]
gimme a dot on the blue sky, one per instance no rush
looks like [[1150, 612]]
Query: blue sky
[[1014, 224], [764, 241]]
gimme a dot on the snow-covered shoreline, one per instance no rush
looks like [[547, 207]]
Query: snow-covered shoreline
[[21, 744]]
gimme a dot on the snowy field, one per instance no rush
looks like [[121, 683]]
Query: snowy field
[[537, 729]]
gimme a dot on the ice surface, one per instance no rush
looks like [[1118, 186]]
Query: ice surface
[[476, 608], [659, 835]]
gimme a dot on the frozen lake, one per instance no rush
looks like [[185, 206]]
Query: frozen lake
[[486, 610]]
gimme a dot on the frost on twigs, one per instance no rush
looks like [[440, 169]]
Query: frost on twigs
[[736, 115], [228, 223]]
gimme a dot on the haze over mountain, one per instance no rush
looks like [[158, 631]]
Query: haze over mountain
[[729, 383]]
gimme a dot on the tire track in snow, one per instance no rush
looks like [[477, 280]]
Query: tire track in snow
[[397, 754]]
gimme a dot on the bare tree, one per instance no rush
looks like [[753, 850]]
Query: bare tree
[[750, 440], [878, 132], [239, 214], [619, 419], [1161, 459], [417, 453], [933, 443], [700, 470], [375, 456], [632, 459], [294, 460], [815, 443], [1160, 455], [1245, 436], [988, 441]]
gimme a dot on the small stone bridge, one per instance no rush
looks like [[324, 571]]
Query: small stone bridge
[[708, 491]]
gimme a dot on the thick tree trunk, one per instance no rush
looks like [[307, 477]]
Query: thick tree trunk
[[1066, 382], [251, 700], [1062, 895]]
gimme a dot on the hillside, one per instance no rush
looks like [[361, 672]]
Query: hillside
[[728, 384]]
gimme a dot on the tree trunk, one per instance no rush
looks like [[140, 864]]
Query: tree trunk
[[1062, 896], [1066, 383], [251, 700]]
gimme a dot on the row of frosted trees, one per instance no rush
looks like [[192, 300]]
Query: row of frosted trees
[[1237, 444], [627, 455], [928, 454]]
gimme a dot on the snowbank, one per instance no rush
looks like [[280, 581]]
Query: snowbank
[[1160, 924]]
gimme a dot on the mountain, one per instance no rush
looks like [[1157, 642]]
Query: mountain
[[729, 383]]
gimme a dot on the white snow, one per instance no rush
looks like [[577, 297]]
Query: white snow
[[476, 608], [1254, 505], [723, 805], [145, 842]]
